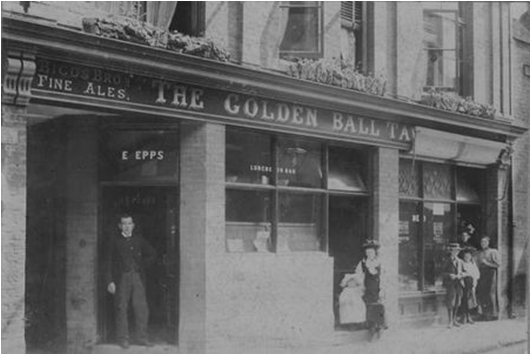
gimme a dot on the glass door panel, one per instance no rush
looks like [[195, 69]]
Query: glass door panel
[[409, 247], [439, 230]]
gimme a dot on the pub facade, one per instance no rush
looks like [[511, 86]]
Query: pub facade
[[257, 189]]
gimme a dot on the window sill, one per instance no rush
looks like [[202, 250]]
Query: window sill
[[418, 294]]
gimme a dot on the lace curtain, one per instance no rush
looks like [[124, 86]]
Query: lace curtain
[[158, 13]]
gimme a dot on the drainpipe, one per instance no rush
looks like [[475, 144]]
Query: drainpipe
[[511, 233]]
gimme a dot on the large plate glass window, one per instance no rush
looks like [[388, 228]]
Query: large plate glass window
[[278, 187], [437, 203]]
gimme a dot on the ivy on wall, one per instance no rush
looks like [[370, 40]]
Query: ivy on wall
[[454, 103], [337, 73], [136, 31]]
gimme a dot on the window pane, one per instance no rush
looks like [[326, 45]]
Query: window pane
[[409, 247], [437, 181], [299, 163], [346, 169], [302, 30], [248, 224], [409, 178], [139, 155], [248, 157], [439, 230], [299, 226], [440, 37]]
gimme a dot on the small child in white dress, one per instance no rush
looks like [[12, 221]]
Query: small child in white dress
[[351, 305]]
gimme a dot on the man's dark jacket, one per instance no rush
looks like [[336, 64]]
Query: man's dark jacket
[[115, 255]]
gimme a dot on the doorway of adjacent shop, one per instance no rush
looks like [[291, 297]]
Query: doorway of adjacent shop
[[155, 213]]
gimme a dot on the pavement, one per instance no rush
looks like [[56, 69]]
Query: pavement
[[509, 336], [480, 337]]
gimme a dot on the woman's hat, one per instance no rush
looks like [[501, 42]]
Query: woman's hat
[[371, 243]]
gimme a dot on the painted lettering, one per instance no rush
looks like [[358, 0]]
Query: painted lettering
[[311, 117], [196, 102], [392, 129], [404, 136], [231, 107], [179, 96], [375, 132], [250, 108], [337, 121], [265, 114], [350, 126], [297, 111], [283, 113]]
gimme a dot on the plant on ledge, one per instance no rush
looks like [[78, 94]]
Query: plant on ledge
[[136, 31], [453, 102], [336, 72]]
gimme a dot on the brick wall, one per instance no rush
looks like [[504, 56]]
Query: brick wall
[[13, 228], [81, 234], [66, 13], [520, 46], [411, 57]]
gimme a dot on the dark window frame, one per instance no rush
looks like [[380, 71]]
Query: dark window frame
[[453, 202], [461, 39], [319, 51], [275, 189]]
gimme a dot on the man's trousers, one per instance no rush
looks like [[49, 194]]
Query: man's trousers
[[131, 288]]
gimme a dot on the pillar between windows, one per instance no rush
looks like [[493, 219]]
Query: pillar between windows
[[14, 172], [19, 68], [385, 224], [202, 225]]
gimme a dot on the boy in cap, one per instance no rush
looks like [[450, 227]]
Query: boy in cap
[[453, 272]]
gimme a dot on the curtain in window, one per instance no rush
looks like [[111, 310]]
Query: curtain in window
[[160, 13]]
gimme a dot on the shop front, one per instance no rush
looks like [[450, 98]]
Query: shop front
[[255, 189]]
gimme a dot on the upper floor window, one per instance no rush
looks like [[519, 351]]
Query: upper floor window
[[187, 17], [443, 43], [352, 14], [303, 36]]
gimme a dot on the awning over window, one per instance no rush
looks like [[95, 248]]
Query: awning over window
[[430, 143]]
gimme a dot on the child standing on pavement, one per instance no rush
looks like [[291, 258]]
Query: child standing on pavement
[[351, 305], [453, 274], [470, 279]]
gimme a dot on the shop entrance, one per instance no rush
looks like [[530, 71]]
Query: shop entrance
[[347, 233], [155, 213]]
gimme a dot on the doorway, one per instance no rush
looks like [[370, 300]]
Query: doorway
[[155, 213], [347, 232]]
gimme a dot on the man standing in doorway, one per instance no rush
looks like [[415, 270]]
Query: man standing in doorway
[[488, 261], [126, 259]]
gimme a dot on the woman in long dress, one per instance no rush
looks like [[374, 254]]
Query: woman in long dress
[[371, 268]]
